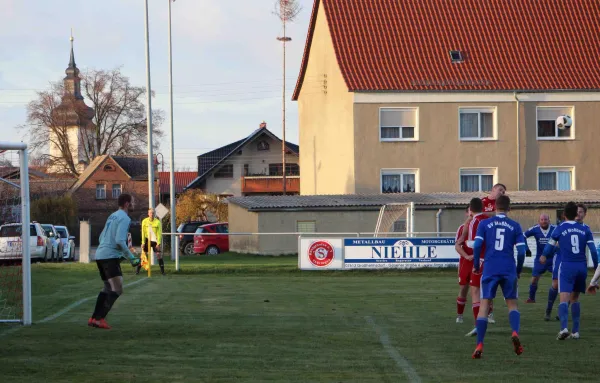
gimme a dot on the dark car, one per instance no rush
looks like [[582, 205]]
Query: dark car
[[186, 241]]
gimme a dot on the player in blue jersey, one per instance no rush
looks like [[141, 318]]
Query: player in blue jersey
[[541, 232], [113, 246], [500, 235], [572, 238]]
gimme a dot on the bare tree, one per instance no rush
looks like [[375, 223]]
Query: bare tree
[[114, 123]]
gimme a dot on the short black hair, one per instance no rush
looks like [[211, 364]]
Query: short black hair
[[123, 199], [580, 205], [476, 205], [503, 203], [571, 211]]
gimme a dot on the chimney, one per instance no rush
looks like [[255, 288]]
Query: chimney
[[263, 125]]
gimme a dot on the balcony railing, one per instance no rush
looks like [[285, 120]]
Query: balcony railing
[[270, 184]]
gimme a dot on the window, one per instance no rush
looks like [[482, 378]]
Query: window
[[225, 171], [100, 191], [246, 170], [306, 226], [477, 124], [546, 123], [456, 56], [477, 180], [556, 178], [116, 190], [398, 124], [291, 169], [109, 168], [262, 146], [398, 181]]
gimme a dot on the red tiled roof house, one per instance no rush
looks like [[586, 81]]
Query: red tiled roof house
[[449, 96]]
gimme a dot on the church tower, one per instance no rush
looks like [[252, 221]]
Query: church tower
[[72, 120]]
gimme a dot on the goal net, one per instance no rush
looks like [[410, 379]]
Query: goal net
[[395, 219], [16, 235]]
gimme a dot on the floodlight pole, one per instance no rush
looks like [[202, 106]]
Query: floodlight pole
[[149, 126], [174, 244], [283, 40]]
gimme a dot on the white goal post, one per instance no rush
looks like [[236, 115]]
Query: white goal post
[[396, 218], [15, 295]]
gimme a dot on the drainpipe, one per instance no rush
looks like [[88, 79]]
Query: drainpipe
[[438, 224], [518, 143]]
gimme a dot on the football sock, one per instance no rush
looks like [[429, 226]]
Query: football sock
[[514, 317], [563, 314], [576, 315], [532, 290], [481, 326], [460, 305], [475, 310], [552, 294], [99, 305], [161, 263], [108, 303]]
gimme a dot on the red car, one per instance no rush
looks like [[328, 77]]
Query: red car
[[217, 242]]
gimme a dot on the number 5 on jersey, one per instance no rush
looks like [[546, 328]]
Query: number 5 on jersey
[[499, 245]]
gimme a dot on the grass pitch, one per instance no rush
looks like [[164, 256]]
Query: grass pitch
[[235, 318]]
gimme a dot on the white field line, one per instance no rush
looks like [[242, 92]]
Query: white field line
[[64, 310], [401, 362]]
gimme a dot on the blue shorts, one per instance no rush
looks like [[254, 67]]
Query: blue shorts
[[555, 268], [572, 277], [539, 269], [508, 283]]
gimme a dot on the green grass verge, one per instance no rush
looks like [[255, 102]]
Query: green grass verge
[[257, 325]]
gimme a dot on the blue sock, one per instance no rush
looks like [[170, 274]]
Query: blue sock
[[514, 317], [576, 314], [481, 326], [552, 293], [532, 291], [563, 314]]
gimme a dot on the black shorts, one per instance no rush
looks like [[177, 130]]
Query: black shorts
[[154, 246], [109, 268]]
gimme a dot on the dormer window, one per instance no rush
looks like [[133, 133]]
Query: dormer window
[[456, 56], [109, 168], [263, 145]]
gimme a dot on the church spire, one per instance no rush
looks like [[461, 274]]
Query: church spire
[[72, 60], [72, 81]]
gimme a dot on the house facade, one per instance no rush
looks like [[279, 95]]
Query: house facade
[[250, 166], [100, 185], [412, 100]]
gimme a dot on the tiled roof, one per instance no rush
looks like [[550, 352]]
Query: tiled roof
[[209, 161], [135, 166], [527, 45], [182, 179], [375, 201]]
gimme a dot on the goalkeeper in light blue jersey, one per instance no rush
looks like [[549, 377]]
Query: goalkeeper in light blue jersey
[[113, 246]]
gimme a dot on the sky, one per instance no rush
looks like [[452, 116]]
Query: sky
[[227, 62]]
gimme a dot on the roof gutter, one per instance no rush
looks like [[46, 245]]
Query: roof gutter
[[518, 142]]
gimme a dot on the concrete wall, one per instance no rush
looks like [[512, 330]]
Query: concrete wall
[[242, 221], [326, 120], [257, 161]]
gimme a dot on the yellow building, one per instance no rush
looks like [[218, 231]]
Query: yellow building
[[436, 96]]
